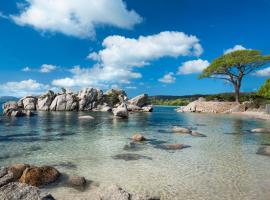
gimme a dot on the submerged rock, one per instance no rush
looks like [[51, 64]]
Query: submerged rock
[[77, 181], [173, 146], [130, 156], [138, 138], [115, 192], [87, 117], [197, 134], [264, 151], [121, 111], [20, 191], [260, 130], [178, 129], [38, 176]]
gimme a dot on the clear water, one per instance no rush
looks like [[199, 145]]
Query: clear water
[[224, 165]]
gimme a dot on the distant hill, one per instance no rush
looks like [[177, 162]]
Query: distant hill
[[170, 97], [4, 99]]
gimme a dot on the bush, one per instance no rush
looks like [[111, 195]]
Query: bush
[[264, 91]]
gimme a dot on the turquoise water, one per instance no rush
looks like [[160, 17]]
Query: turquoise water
[[223, 165]]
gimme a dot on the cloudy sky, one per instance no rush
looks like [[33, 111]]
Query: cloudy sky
[[154, 46]]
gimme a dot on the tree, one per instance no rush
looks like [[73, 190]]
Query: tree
[[233, 66], [264, 90]]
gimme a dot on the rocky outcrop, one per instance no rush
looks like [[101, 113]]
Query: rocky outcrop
[[17, 170], [64, 102], [121, 111], [12, 109], [44, 101], [28, 103], [138, 137], [140, 101], [38, 176], [89, 98]]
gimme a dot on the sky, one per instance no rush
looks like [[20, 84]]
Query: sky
[[157, 47]]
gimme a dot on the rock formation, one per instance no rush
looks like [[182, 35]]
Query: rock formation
[[85, 100]]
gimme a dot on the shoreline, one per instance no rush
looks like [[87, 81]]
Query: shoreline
[[253, 114]]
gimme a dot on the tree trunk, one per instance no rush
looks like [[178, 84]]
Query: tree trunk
[[237, 93]]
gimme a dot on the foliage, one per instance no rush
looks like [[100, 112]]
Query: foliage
[[172, 102], [264, 91]]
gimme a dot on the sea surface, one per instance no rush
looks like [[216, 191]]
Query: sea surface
[[224, 165]]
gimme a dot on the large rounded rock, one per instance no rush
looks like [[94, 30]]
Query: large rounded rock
[[37, 176], [140, 100], [89, 98], [178, 129], [197, 134], [77, 181], [64, 102], [17, 170], [28, 103], [264, 151], [138, 138], [121, 111], [44, 101]]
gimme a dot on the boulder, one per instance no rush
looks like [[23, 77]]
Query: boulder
[[138, 138], [178, 129], [44, 101], [89, 98], [17, 170], [133, 108], [115, 192], [175, 146], [140, 100], [260, 130], [9, 107], [77, 181], [38, 176], [5, 176], [148, 108], [197, 134], [104, 108], [64, 102], [121, 111], [28, 103], [20, 191], [264, 151]]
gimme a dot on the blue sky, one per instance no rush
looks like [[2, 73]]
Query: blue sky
[[154, 46]]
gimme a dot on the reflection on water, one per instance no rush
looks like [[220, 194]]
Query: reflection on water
[[224, 165]]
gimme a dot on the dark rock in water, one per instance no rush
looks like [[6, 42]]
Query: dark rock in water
[[155, 141], [20, 191], [115, 192], [173, 146], [38, 176], [5, 176], [138, 138], [77, 182], [68, 165], [130, 156], [197, 134], [264, 151], [178, 129], [18, 169]]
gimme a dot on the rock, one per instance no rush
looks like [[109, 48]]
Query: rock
[[28, 103], [89, 98], [115, 192], [140, 100], [64, 102], [5, 176], [138, 138], [44, 101], [148, 108], [104, 108], [260, 130], [175, 146], [17, 170], [197, 134], [114, 96], [9, 107], [264, 151], [121, 111], [38, 176], [130, 156], [87, 117], [20, 191], [133, 108], [77, 181], [177, 129]]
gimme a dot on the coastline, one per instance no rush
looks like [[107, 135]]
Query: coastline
[[253, 114]]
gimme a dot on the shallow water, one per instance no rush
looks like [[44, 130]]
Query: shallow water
[[223, 165]]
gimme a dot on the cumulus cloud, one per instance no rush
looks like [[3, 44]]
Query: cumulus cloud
[[235, 48], [75, 17], [167, 78], [26, 69], [45, 68], [193, 66], [23, 88], [120, 58], [263, 72]]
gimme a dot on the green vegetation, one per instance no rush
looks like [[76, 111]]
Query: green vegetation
[[232, 67], [172, 102], [264, 91]]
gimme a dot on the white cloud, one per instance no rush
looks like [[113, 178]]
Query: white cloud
[[263, 72], [118, 61], [2, 15], [75, 17], [45, 68], [167, 78], [23, 88], [235, 48], [26, 69], [131, 87], [193, 66]]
